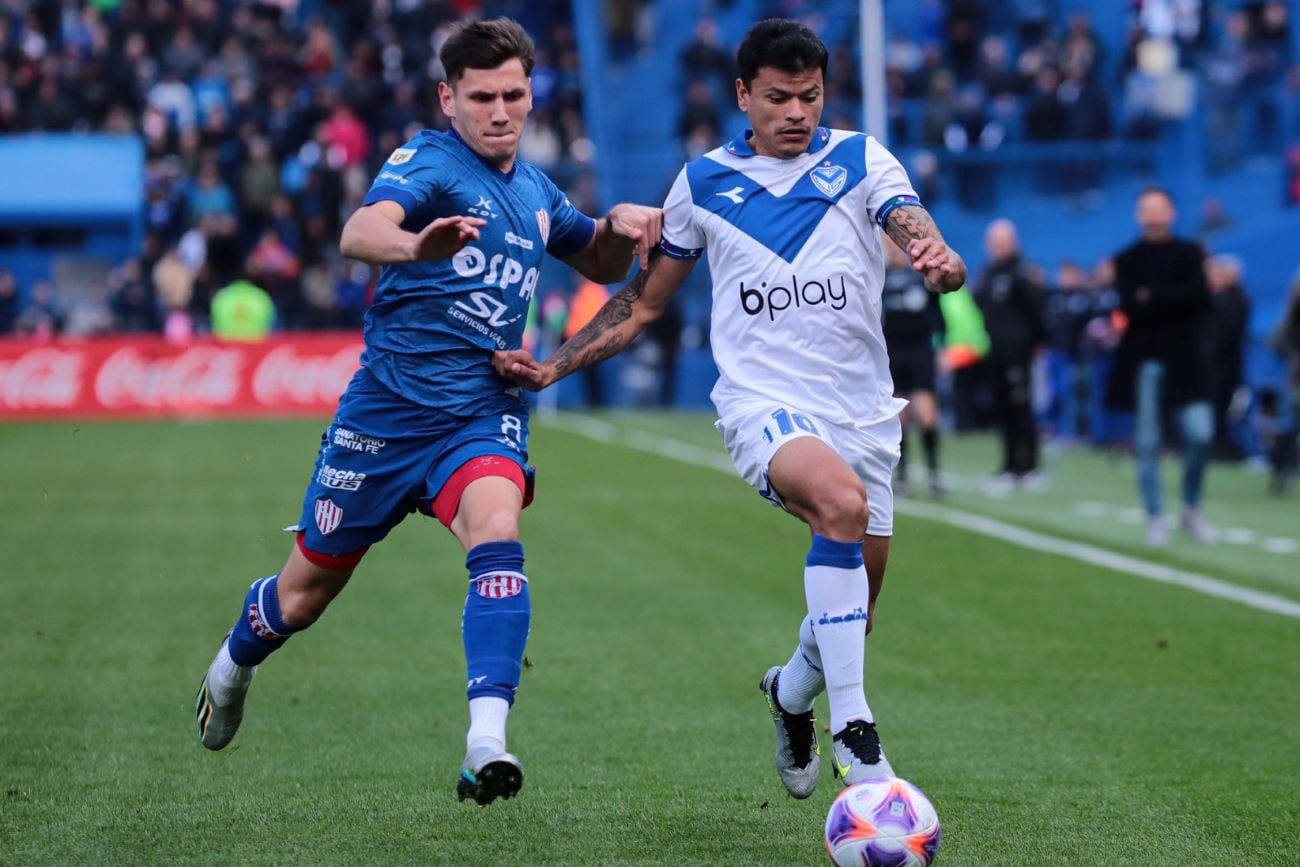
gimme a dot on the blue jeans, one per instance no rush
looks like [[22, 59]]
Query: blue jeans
[[1196, 425]]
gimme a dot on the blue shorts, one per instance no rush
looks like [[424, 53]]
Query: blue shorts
[[384, 456]]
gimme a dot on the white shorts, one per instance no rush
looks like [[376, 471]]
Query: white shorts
[[754, 432]]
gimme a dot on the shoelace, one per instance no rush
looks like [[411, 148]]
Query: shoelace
[[801, 729], [861, 739]]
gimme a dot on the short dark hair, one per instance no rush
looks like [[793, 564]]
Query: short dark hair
[[783, 44], [485, 45]]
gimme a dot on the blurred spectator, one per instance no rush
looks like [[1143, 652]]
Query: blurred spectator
[[1225, 344], [1070, 306], [1045, 114], [699, 113], [41, 317], [242, 311], [274, 266], [1285, 341], [1011, 299], [131, 299], [8, 302], [1160, 359], [583, 306], [89, 314], [704, 59], [210, 195]]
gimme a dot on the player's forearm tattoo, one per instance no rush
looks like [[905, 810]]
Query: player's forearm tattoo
[[906, 224], [599, 338]]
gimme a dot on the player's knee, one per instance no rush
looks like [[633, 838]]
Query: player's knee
[[496, 526], [842, 511]]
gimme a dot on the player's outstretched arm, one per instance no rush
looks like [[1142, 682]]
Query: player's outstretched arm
[[627, 231], [912, 228], [374, 234], [613, 327]]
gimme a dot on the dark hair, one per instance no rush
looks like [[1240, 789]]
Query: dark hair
[[783, 44], [485, 45]]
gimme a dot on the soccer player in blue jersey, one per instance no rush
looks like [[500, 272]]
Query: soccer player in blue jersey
[[791, 215], [460, 226]]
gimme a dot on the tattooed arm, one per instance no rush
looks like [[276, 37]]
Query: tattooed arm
[[914, 231], [614, 326]]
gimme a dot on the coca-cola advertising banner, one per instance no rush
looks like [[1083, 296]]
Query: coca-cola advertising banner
[[148, 376]]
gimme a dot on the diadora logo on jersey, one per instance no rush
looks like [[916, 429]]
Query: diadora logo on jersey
[[829, 179], [733, 194], [328, 516], [401, 155], [512, 238], [483, 208], [343, 480], [776, 298], [501, 270], [544, 224]]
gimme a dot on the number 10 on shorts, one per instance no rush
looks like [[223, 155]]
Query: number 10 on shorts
[[787, 422]]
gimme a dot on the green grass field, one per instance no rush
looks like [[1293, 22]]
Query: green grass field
[[1056, 713]]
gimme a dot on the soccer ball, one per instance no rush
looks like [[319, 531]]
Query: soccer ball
[[885, 822]]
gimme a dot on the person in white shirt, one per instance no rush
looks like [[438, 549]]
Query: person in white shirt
[[791, 214]]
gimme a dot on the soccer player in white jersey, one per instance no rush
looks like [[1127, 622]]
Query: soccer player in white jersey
[[791, 214]]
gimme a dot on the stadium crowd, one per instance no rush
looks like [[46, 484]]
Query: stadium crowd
[[264, 123]]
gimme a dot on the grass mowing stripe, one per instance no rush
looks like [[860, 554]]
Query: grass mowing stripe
[[691, 454]]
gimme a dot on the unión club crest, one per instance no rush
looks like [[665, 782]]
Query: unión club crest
[[328, 516], [830, 179], [544, 225]]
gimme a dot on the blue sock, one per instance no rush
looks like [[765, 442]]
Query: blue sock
[[496, 619], [260, 630]]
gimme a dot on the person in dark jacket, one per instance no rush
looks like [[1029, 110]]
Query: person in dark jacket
[[1225, 343], [1160, 360], [1012, 299], [912, 321]]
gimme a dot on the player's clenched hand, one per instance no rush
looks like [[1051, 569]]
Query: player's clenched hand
[[444, 238], [939, 264], [519, 366], [643, 225]]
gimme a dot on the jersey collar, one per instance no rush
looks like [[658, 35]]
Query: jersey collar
[[739, 146]]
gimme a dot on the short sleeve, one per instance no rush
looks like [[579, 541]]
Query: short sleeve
[[889, 184], [682, 239], [409, 178], [570, 229]]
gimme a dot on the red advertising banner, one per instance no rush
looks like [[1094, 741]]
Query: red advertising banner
[[148, 376]]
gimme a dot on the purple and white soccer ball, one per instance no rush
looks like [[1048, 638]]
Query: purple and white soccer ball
[[885, 822]]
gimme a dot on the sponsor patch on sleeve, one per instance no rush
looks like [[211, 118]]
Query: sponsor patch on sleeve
[[401, 155]]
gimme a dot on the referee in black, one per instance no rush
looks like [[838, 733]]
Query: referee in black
[[913, 323]]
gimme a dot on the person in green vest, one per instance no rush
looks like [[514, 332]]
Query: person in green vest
[[966, 342], [242, 311]]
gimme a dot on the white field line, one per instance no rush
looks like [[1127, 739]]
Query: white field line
[[693, 455]]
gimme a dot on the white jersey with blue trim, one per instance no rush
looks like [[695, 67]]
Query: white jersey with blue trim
[[797, 269]]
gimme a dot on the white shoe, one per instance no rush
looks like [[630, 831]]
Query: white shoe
[[219, 705], [856, 754], [1193, 523], [1157, 532]]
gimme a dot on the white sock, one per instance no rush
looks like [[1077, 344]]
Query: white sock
[[838, 596], [225, 677], [801, 679], [487, 723]]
